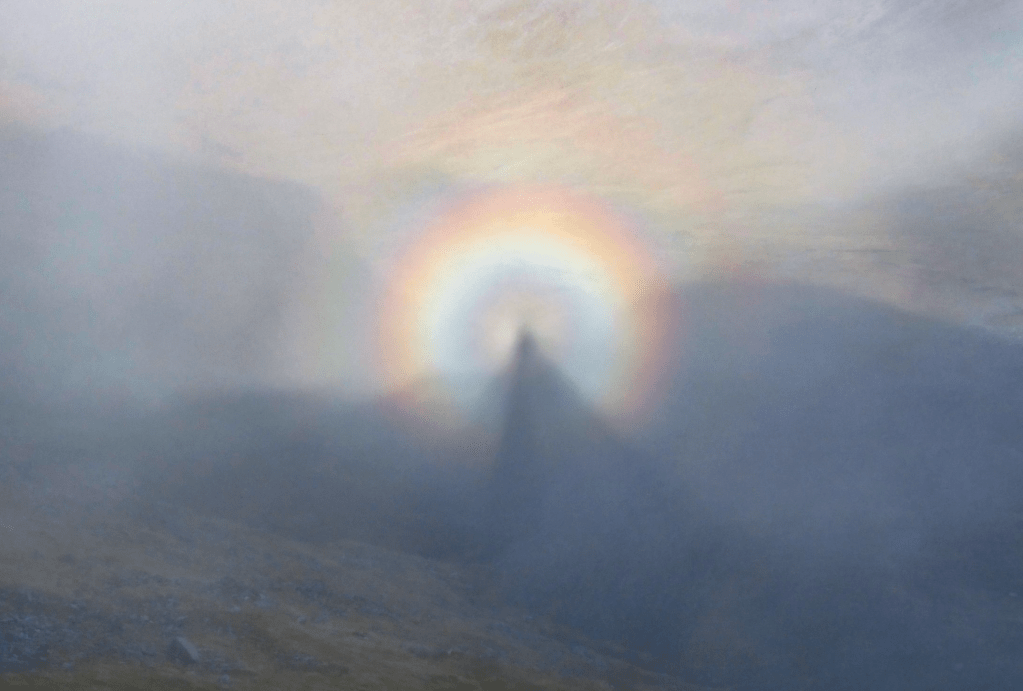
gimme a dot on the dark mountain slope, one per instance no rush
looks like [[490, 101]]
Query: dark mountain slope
[[578, 517], [864, 465], [317, 470], [805, 406], [826, 497]]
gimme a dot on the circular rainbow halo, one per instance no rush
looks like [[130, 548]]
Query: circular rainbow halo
[[496, 262]]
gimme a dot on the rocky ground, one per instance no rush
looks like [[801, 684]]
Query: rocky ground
[[97, 592]]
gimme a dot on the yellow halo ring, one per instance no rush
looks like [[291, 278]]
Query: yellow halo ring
[[557, 226]]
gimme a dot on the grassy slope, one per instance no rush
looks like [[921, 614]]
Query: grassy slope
[[112, 587]]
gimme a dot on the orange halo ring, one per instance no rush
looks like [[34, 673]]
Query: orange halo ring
[[581, 228]]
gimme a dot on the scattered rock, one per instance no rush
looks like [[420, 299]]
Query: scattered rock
[[26, 634], [182, 651]]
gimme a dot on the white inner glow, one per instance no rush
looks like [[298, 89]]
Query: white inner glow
[[484, 297]]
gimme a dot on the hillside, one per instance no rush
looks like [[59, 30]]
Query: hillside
[[822, 499], [92, 597]]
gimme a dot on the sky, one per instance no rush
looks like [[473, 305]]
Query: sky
[[877, 146]]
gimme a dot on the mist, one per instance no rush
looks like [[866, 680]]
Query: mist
[[526, 345]]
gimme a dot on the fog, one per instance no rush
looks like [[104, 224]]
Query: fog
[[696, 329]]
